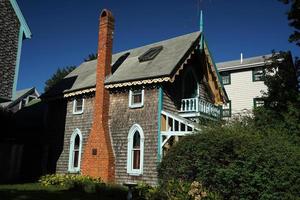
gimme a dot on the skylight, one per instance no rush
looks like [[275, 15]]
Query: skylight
[[150, 54]]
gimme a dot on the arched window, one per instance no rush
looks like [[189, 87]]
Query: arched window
[[135, 150], [75, 151]]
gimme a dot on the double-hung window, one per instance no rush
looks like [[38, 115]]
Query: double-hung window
[[226, 109], [78, 106], [258, 102], [226, 79], [136, 98], [258, 74]]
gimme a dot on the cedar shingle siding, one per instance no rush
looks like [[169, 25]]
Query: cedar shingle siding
[[9, 32], [121, 120], [81, 121]]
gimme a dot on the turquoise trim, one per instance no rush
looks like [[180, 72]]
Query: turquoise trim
[[160, 104], [20, 39], [21, 18], [216, 69], [201, 30]]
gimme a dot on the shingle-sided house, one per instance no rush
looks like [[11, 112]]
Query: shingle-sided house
[[120, 114], [13, 29]]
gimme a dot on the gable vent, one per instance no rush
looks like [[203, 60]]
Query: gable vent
[[150, 54]]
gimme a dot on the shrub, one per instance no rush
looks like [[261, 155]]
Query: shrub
[[72, 182], [236, 162]]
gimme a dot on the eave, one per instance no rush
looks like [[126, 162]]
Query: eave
[[23, 25]]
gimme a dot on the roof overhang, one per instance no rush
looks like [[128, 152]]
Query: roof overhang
[[23, 25]]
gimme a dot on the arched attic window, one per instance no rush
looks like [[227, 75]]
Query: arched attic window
[[75, 151], [135, 150], [190, 85]]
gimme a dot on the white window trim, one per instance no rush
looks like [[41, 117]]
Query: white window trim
[[74, 107], [136, 105], [71, 158], [130, 170]]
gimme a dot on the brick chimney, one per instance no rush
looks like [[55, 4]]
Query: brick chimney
[[98, 157]]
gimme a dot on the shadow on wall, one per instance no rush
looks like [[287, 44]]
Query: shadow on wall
[[31, 141]]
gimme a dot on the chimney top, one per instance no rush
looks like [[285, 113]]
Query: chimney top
[[106, 16]]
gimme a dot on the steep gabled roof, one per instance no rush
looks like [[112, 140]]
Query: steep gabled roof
[[129, 69], [173, 52], [172, 55]]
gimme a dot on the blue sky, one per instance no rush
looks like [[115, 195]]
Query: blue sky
[[65, 32]]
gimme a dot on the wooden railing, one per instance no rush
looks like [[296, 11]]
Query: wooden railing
[[196, 105]]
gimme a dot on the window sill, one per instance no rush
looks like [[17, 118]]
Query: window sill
[[74, 171], [136, 106], [135, 173], [77, 113]]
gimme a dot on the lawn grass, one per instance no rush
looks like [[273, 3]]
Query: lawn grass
[[35, 191]]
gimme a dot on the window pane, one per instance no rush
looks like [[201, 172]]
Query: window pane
[[136, 140], [258, 74], [226, 78], [76, 157], [137, 98], [77, 142], [136, 159], [226, 113], [258, 103], [78, 106]]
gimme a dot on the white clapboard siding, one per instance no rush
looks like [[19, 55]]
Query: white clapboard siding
[[242, 90]]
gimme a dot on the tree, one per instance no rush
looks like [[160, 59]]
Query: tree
[[294, 19], [282, 98], [92, 56], [58, 76]]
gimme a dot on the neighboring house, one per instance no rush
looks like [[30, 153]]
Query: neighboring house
[[118, 115], [21, 99], [13, 29], [244, 82]]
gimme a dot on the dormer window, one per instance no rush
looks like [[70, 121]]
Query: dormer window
[[78, 105], [136, 98], [150, 54]]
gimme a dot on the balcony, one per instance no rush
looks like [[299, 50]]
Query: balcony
[[195, 107]]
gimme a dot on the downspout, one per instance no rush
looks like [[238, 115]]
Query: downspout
[[160, 104]]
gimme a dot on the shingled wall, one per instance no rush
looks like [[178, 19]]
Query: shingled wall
[[9, 32], [121, 120], [81, 121]]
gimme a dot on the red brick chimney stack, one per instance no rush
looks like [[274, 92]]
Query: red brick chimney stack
[[98, 158]]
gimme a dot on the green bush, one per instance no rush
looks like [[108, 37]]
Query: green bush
[[72, 182], [173, 190], [236, 162]]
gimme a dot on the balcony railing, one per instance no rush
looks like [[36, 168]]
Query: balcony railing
[[204, 108]]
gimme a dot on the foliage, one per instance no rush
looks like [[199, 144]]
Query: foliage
[[58, 76], [92, 56], [69, 180], [294, 19], [36, 191], [237, 162], [282, 99], [173, 190]]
